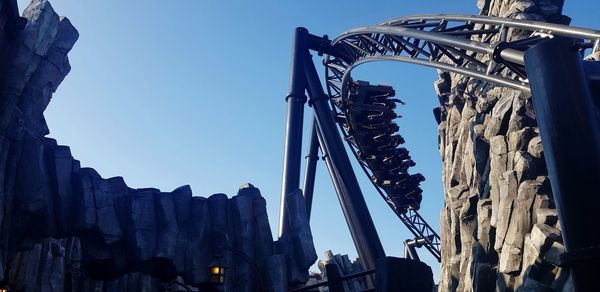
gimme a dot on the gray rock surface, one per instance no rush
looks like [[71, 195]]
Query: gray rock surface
[[514, 221], [66, 228], [499, 227], [346, 267]]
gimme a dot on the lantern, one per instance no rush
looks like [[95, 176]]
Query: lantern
[[216, 270], [217, 274]]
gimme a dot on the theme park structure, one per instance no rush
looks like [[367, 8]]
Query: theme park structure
[[67, 228], [546, 62]]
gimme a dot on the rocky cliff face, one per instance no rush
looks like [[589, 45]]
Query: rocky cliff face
[[499, 223], [345, 267], [110, 236]]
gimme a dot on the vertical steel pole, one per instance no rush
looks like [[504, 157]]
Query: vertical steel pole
[[312, 157], [570, 132], [334, 278], [351, 199], [296, 98], [335, 179], [339, 190]]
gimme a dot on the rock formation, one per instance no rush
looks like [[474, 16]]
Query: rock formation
[[499, 223], [346, 267], [64, 227]]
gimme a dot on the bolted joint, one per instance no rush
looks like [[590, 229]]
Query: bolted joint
[[315, 99], [323, 44], [496, 54], [296, 97]]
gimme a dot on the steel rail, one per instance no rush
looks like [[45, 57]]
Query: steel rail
[[419, 34], [438, 65], [404, 28], [468, 44], [546, 27]]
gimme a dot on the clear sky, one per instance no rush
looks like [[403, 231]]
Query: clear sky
[[167, 93]]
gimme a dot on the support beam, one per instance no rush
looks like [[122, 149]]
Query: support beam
[[339, 190], [293, 127], [312, 157], [570, 131], [351, 199], [334, 278], [411, 245]]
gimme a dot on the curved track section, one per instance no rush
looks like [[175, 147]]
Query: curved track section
[[474, 46], [369, 121]]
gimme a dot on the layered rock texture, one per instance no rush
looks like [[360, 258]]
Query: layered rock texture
[[499, 223], [345, 267], [65, 228]]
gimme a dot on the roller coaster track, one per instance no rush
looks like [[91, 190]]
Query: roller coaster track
[[485, 48]]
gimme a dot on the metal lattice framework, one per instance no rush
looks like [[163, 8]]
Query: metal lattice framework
[[485, 48]]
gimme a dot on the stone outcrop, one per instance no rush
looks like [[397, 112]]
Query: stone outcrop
[[345, 267], [64, 227], [390, 274], [499, 223]]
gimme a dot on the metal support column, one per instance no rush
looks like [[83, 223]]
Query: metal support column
[[334, 278], [312, 157], [296, 99], [570, 132], [351, 199], [411, 245]]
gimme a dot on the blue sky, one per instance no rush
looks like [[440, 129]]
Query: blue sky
[[167, 93]]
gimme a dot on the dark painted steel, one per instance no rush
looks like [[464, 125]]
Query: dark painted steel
[[296, 99], [322, 45], [312, 157], [335, 179], [351, 199], [342, 278], [474, 46], [570, 131], [592, 71], [398, 274], [339, 189], [334, 278]]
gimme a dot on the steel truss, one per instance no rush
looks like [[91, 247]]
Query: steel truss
[[474, 46], [485, 48]]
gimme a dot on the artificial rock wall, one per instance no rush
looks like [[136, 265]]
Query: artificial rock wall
[[65, 228], [345, 267], [499, 223]]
